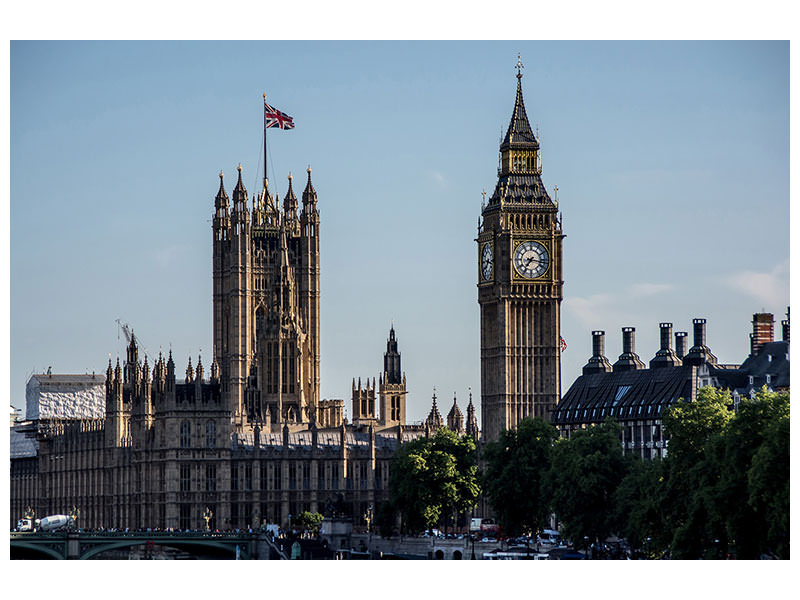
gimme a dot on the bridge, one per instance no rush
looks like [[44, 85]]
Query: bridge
[[84, 545]]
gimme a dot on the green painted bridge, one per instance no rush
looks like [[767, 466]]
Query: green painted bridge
[[92, 544]]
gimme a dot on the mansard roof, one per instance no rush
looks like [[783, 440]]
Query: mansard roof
[[772, 359], [625, 395]]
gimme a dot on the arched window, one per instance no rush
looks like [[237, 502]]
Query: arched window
[[186, 434], [211, 434]]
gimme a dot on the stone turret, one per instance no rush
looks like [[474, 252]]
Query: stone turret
[[455, 420], [434, 422], [472, 421]]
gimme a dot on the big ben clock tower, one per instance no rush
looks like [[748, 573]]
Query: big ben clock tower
[[519, 285]]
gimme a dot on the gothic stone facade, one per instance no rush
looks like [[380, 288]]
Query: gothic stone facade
[[253, 441]]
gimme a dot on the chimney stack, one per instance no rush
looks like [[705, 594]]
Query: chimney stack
[[763, 331], [598, 363], [680, 343], [785, 326], [628, 360], [699, 353], [628, 340], [665, 357]]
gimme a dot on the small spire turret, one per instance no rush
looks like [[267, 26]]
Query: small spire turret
[[290, 202], [239, 192], [434, 422], [221, 201], [199, 370], [455, 420], [309, 194], [472, 421]]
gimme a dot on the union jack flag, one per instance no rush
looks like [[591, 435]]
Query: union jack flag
[[563, 344], [275, 118]]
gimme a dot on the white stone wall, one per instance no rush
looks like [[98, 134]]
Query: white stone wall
[[65, 399]]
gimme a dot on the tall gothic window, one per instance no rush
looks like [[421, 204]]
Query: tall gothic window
[[211, 434], [186, 434], [211, 478], [248, 476], [186, 478], [264, 485], [234, 476]]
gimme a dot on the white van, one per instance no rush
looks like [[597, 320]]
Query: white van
[[549, 538]]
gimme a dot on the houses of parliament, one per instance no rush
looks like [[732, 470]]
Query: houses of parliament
[[250, 440]]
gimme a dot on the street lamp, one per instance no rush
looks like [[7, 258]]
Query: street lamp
[[647, 548], [368, 519], [74, 514], [472, 538], [207, 514], [586, 546]]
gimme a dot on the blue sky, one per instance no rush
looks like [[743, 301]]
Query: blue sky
[[671, 159]]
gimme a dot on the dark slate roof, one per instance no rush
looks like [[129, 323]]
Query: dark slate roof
[[772, 359], [522, 189], [69, 379], [625, 395], [22, 446]]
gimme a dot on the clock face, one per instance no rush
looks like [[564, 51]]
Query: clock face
[[487, 265], [531, 259]]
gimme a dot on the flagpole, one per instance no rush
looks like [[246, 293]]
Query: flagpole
[[263, 118]]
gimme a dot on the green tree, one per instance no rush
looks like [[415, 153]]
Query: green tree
[[432, 478], [309, 521], [585, 472], [757, 425], [516, 465], [638, 506], [768, 481], [692, 514]]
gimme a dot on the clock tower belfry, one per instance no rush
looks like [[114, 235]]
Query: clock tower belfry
[[520, 285]]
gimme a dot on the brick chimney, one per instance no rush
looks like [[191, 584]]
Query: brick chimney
[[763, 331]]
